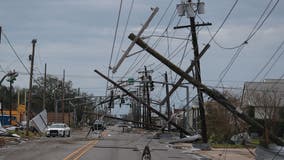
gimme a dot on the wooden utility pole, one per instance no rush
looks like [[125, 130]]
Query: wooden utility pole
[[198, 78], [168, 101], [31, 57], [44, 90], [139, 106], [2, 112], [63, 95], [144, 115], [11, 102], [125, 54], [148, 111], [216, 95]]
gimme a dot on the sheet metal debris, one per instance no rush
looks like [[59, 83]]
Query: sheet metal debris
[[188, 139], [40, 121]]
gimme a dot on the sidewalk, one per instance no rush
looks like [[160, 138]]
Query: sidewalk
[[228, 153]]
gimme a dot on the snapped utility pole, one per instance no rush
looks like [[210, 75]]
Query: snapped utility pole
[[146, 24], [31, 57]]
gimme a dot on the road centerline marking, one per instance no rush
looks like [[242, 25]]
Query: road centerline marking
[[79, 152]]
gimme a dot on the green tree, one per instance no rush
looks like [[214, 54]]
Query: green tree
[[221, 124]]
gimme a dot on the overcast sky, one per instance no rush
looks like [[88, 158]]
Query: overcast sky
[[77, 36]]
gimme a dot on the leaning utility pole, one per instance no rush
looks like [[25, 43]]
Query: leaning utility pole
[[31, 57], [125, 54], [168, 100], [216, 95]]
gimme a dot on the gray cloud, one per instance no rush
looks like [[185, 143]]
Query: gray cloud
[[77, 36]]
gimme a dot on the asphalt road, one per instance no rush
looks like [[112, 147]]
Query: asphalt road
[[113, 145]]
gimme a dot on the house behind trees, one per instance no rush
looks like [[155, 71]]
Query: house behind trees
[[264, 101]]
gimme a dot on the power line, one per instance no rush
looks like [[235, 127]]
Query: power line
[[125, 28], [14, 51], [253, 32], [183, 56], [174, 54], [114, 40], [135, 63], [270, 59], [229, 65], [276, 60], [156, 43], [219, 45], [226, 18], [18, 57]]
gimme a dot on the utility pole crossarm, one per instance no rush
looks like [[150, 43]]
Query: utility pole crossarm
[[155, 10], [216, 95], [197, 25]]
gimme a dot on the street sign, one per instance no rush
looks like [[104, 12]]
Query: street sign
[[130, 81]]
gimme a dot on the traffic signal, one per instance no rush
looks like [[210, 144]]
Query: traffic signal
[[152, 87]]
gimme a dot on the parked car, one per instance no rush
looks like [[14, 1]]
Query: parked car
[[58, 129]]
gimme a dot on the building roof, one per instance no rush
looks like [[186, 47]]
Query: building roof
[[272, 89]]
